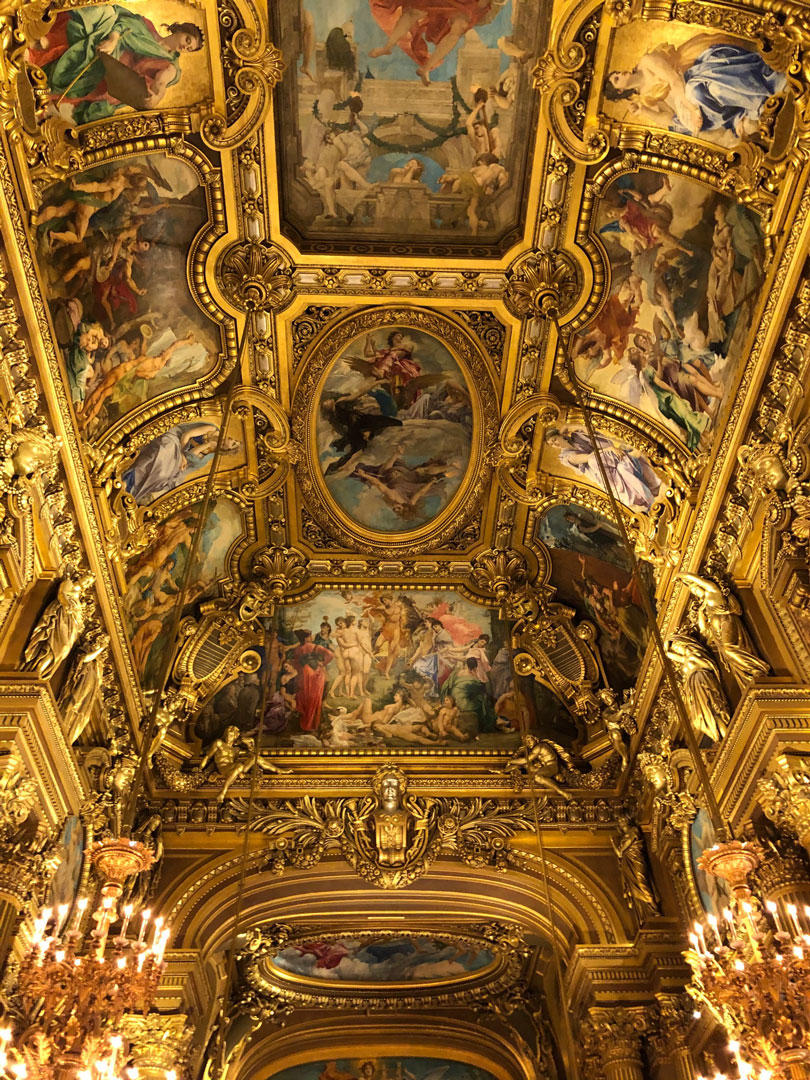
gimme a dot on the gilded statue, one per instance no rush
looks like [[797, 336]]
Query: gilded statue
[[700, 682], [720, 623], [637, 885], [18, 795], [58, 628], [618, 720], [140, 887], [541, 760], [234, 755], [83, 682], [390, 835]]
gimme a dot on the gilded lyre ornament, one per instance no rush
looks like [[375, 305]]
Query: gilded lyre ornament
[[638, 888], [719, 621], [700, 682], [545, 640], [59, 626]]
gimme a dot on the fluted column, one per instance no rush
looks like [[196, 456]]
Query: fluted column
[[159, 1043], [611, 1041]]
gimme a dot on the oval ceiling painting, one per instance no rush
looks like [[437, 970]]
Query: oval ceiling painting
[[405, 959], [372, 1067], [394, 428]]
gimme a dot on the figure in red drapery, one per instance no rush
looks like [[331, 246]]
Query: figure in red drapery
[[413, 24], [310, 662]]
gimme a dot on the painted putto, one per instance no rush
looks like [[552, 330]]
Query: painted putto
[[154, 577], [406, 959], [394, 429], [360, 670], [103, 58], [710, 85], [412, 118], [113, 245], [686, 265]]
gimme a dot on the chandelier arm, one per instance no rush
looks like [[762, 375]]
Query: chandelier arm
[[687, 731]]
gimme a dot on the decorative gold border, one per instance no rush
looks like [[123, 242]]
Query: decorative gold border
[[500, 975], [314, 369]]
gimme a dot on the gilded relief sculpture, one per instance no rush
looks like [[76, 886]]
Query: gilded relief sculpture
[[59, 626]]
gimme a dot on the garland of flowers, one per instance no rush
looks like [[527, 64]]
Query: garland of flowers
[[448, 131]]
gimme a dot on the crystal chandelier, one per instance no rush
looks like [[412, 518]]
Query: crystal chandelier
[[751, 970], [77, 979]]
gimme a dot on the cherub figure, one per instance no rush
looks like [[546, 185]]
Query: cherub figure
[[617, 719], [233, 762], [541, 760]]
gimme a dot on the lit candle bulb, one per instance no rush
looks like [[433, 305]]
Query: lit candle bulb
[[78, 915], [158, 928], [792, 911], [773, 911], [700, 937], [798, 952], [144, 920], [728, 915], [121, 962], [712, 920], [127, 916], [739, 965], [141, 959]]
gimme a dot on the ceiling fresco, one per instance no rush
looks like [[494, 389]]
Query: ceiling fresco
[[387, 1068], [407, 125], [399, 352]]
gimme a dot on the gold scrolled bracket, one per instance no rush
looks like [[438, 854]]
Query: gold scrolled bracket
[[559, 76], [256, 66], [514, 446]]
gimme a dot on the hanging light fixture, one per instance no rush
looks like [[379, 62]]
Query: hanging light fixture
[[77, 979], [751, 971]]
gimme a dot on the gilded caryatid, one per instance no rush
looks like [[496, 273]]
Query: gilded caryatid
[[391, 823], [637, 885], [720, 623], [84, 682], [58, 628], [700, 682]]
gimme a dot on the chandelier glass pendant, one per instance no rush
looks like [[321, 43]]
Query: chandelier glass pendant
[[78, 979], [751, 971]]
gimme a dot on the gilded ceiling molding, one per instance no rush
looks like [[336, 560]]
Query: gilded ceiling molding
[[585, 908], [499, 1052], [253, 66], [562, 75], [467, 352]]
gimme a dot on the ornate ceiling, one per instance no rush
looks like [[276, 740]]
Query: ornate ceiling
[[395, 268]]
